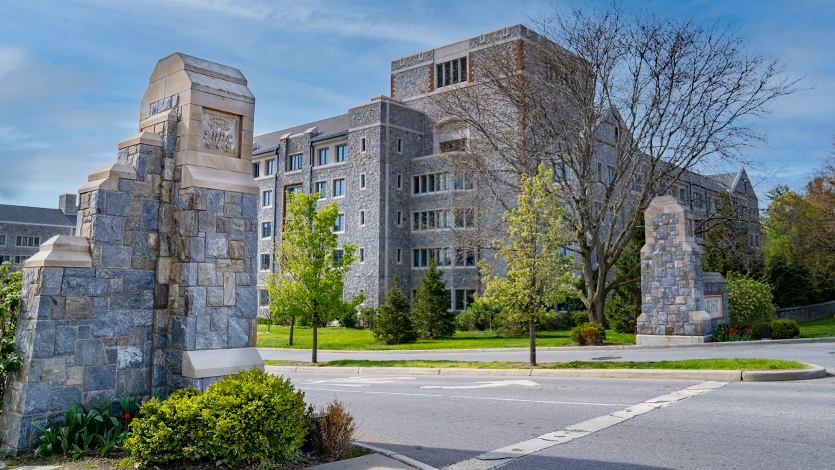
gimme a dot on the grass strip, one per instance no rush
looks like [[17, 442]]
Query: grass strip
[[689, 364]]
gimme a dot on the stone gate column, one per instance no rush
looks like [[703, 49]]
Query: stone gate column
[[680, 303]]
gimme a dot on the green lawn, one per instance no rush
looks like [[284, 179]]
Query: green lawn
[[690, 364], [818, 328], [346, 338]]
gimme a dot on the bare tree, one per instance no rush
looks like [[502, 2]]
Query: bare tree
[[620, 105]]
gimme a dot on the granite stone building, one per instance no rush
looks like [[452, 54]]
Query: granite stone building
[[24, 228], [379, 163]]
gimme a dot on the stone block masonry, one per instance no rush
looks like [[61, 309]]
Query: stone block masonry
[[164, 265]]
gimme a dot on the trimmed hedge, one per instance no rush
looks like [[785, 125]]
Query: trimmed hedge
[[784, 329]]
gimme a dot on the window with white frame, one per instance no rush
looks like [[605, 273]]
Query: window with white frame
[[20, 259], [399, 181], [324, 156], [362, 217], [339, 187], [265, 262], [267, 198], [400, 218], [451, 72], [341, 153], [256, 170], [339, 223], [400, 256], [435, 219], [266, 229], [2, 240], [463, 298], [436, 182], [5, 259], [362, 144], [28, 241], [422, 256], [399, 145], [362, 181], [294, 162], [337, 256], [270, 167], [362, 255], [263, 297], [322, 189]]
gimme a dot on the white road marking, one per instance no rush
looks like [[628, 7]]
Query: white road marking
[[359, 381], [502, 383], [499, 457]]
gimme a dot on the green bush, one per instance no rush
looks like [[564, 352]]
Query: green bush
[[430, 308], [368, 315], [349, 319], [749, 300], [485, 313], [784, 329], [588, 333], [10, 285], [758, 327], [250, 417], [393, 324], [466, 320]]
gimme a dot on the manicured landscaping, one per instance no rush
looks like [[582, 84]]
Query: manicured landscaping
[[818, 328], [350, 339], [690, 364]]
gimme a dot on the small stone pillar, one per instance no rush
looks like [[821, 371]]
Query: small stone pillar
[[681, 304]]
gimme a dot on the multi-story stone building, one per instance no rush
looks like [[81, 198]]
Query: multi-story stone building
[[24, 228], [379, 164]]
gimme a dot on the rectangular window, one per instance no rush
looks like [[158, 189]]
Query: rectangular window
[[431, 183], [256, 170], [399, 181], [416, 225], [362, 255], [5, 259], [362, 217], [270, 167], [263, 298], [463, 298], [2, 240], [457, 145], [423, 185], [322, 189], [27, 241], [265, 262], [341, 153], [416, 260], [600, 171], [324, 156], [399, 255], [339, 223], [339, 187], [399, 145], [266, 229], [416, 185], [424, 257], [611, 174], [18, 260], [292, 190], [337, 256], [399, 218], [362, 181], [267, 199], [362, 145], [294, 162]]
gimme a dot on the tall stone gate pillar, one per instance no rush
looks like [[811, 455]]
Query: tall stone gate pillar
[[680, 303], [158, 291]]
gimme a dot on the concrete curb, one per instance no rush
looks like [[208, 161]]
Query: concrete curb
[[394, 455], [573, 348], [698, 374]]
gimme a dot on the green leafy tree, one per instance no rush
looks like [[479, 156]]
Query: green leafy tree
[[10, 285], [430, 310], [623, 309], [537, 275], [749, 300], [727, 244], [309, 278], [393, 323]]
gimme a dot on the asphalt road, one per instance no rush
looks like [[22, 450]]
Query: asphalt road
[[448, 421]]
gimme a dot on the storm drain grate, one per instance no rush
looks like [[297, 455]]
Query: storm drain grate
[[605, 358]]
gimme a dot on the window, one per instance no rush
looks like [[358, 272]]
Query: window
[[263, 298], [294, 162], [451, 72], [611, 174], [362, 181], [362, 255], [270, 167], [290, 191], [399, 145], [322, 189], [267, 199], [265, 262], [399, 218], [439, 219], [463, 298], [465, 257], [400, 256], [5, 259], [457, 145], [18, 260], [436, 182], [362, 217], [339, 223], [337, 256], [339, 187], [563, 172], [28, 241], [256, 170], [2, 240], [266, 229], [600, 170], [324, 156], [399, 181], [362, 144], [444, 257], [341, 153]]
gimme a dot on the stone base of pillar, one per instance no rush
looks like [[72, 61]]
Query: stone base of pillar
[[671, 339]]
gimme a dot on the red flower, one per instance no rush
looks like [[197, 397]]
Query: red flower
[[127, 416]]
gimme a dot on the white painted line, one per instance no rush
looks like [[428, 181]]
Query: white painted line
[[501, 383], [499, 457]]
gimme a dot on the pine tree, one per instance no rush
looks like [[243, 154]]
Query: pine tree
[[393, 324], [431, 313]]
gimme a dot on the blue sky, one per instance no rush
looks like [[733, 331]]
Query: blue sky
[[72, 73]]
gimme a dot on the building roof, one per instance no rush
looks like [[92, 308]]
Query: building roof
[[726, 179], [329, 126], [35, 215]]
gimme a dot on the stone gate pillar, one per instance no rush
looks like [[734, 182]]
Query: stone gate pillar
[[158, 291], [680, 303]]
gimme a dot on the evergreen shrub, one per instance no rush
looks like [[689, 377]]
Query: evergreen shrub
[[784, 329], [393, 324], [430, 312]]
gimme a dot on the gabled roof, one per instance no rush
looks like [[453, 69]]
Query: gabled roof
[[329, 126], [35, 215]]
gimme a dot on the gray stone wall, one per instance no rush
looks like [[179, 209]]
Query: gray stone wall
[[808, 312]]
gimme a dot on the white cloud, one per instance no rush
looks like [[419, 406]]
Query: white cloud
[[12, 58]]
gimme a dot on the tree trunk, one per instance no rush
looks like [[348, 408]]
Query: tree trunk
[[269, 323], [532, 328], [315, 326], [292, 323]]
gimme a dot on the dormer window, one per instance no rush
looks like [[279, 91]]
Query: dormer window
[[457, 145], [451, 72]]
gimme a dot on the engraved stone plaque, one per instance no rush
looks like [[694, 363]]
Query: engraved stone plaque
[[714, 306], [220, 133]]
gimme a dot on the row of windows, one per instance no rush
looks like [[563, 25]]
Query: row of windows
[[324, 155], [27, 241], [435, 182], [444, 218], [445, 257], [451, 72], [270, 168], [18, 259]]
